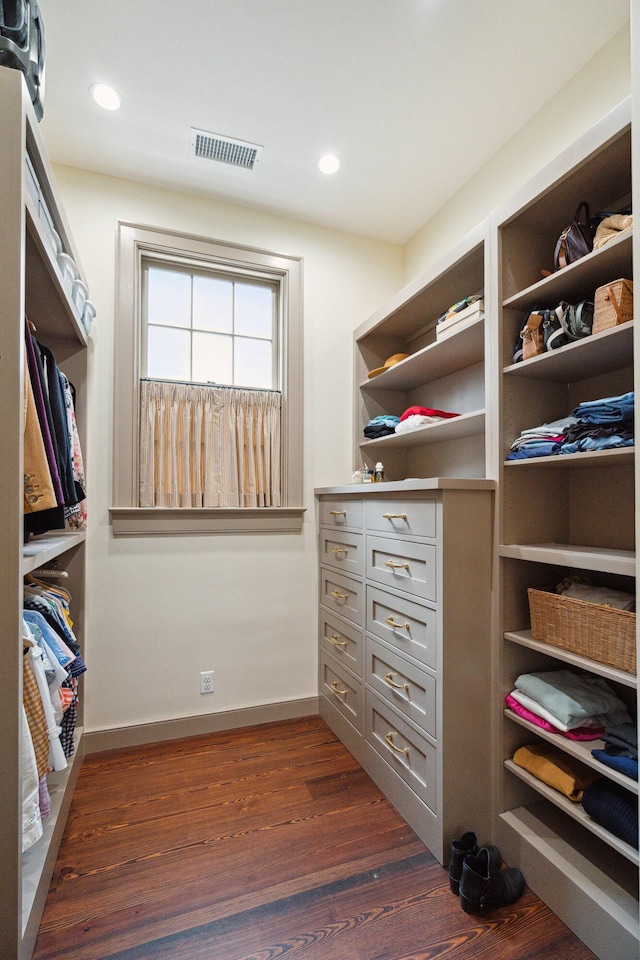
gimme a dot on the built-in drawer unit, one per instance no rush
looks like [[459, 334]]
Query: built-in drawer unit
[[405, 565], [342, 594], [342, 514], [409, 753], [342, 639], [410, 642], [405, 686], [415, 518], [341, 689], [404, 624], [342, 550]]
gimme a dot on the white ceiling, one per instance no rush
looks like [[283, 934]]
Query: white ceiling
[[413, 95]]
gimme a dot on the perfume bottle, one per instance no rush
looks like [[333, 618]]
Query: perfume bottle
[[378, 473]]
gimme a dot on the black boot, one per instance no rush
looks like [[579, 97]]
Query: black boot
[[466, 845], [485, 886]]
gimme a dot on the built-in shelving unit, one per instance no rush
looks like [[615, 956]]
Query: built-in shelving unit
[[32, 285], [439, 373], [561, 515]]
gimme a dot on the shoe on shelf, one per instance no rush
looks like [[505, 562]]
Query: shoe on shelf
[[466, 846], [484, 885]]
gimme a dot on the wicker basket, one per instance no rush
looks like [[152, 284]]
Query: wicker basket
[[613, 304], [592, 630]]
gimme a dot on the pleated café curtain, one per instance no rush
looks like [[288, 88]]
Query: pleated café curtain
[[208, 446]]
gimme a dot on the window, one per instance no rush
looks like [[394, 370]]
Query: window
[[206, 332]]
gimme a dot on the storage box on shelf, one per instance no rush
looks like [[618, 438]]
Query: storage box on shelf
[[446, 374], [561, 515]]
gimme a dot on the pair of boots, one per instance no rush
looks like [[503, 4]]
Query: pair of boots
[[477, 877]]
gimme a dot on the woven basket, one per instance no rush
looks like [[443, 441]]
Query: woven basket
[[592, 630], [613, 304]]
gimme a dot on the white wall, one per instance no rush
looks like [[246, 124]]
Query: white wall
[[160, 610], [601, 84]]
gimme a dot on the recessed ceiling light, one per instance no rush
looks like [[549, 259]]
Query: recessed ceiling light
[[329, 163], [105, 96]]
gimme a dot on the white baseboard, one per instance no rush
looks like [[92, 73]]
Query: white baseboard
[[133, 736]]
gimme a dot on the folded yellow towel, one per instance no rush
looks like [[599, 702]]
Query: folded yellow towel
[[556, 769]]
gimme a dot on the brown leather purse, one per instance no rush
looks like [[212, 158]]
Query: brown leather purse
[[576, 240]]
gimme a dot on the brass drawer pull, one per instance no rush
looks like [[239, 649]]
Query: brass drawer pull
[[341, 693], [337, 643], [389, 741], [396, 686], [337, 550], [396, 626], [338, 513], [339, 596], [394, 516], [396, 566]]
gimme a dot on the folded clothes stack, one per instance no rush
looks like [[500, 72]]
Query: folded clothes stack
[[415, 417], [614, 808], [381, 426], [593, 425], [620, 749], [553, 767], [578, 705]]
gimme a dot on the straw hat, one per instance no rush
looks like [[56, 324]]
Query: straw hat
[[391, 362]]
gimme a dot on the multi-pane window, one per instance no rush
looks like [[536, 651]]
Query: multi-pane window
[[208, 386], [207, 327]]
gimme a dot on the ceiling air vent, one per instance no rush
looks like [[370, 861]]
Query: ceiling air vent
[[237, 153]]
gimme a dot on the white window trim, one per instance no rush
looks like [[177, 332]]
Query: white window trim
[[127, 519]]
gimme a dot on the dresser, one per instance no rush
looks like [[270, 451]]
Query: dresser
[[404, 644]]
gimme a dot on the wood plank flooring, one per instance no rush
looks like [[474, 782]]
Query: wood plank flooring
[[257, 844]]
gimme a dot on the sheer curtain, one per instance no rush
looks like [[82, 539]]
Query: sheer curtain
[[205, 446]]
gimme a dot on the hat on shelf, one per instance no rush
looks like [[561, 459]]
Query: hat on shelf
[[391, 362]]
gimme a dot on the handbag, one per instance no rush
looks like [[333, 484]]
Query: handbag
[[567, 323], [532, 334], [576, 240]]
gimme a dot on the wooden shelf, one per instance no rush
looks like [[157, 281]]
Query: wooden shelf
[[622, 562], [600, 353], [574, 810], [439, 359], [618, 456], [46, 548], [574, 282], [579, 750], [466, 425], [524, 639]]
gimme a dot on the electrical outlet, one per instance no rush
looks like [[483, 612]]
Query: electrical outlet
[[206, 681]]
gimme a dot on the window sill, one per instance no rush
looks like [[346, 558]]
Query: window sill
[[161, 521]]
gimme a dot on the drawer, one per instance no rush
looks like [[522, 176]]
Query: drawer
[[342, 639], [408, 688], [416, 518], [342, 550], [341, 689], [403, 624], [342, 594], [403, 564], [342, 513], [406, 751]]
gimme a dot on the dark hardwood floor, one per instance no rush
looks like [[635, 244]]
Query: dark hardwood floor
[[257, 844]]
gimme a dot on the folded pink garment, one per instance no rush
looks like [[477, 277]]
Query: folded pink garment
[[579, 733]]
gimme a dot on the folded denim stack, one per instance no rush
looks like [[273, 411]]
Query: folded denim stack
[[593, 425], [620, 749], [542, 441], [601, 425]]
